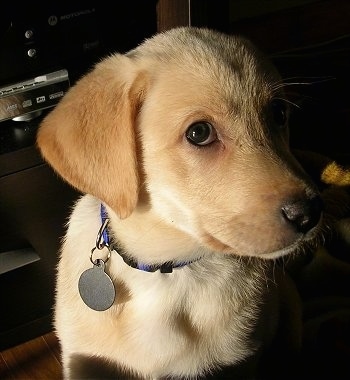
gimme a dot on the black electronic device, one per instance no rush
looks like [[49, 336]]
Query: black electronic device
[[24, 100], [40, 39]]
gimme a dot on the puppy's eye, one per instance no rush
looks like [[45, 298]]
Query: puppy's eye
[[279, 112], [201, 133]]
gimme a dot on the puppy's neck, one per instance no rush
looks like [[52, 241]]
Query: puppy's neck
[[146, 238]]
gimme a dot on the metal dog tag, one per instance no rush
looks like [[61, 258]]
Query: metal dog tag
[[96, 288]]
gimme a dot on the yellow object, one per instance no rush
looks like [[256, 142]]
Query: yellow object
[[334, 174]]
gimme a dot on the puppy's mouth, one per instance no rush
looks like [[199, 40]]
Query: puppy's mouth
[[272, 250], [298, 228], [301, 244]]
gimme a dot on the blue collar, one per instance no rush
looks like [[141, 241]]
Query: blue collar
[[104, 240]]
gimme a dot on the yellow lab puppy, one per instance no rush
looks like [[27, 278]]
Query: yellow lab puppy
[[181, 147]]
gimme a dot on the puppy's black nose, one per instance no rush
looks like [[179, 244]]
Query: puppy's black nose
[[303, 214]]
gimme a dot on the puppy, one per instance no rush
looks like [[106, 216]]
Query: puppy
[[181, 149]]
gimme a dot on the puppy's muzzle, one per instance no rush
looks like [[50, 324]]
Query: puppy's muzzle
[[303, 214]]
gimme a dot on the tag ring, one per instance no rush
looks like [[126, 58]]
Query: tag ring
[[96, 262]]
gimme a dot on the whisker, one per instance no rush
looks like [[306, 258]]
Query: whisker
[[303, 81], [289, 102]]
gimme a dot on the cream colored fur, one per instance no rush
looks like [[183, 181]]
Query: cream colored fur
[[119, 136]]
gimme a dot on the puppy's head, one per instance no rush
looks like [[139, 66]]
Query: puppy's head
[[196, 121]]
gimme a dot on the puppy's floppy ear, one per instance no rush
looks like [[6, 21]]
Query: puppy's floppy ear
[[89, 138]]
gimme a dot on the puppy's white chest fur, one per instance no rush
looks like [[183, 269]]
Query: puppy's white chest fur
[[198, 317]]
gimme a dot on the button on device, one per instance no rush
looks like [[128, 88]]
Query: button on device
[[31, 53], [40, 99], [28, 34], [12, 107], [27, 103]]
